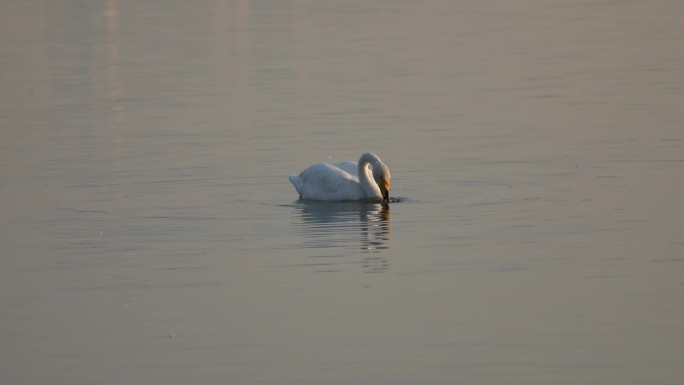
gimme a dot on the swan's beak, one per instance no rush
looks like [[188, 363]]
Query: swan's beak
[[384, 189]]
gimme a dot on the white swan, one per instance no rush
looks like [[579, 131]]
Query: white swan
[[345, 181]]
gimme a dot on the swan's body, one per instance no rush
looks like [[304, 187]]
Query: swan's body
[[345, 181]]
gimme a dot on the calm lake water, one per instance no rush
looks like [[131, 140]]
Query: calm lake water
[[150, 234]]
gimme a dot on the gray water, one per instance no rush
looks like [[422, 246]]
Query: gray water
[[150, 235]]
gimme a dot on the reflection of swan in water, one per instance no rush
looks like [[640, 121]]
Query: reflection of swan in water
[[331, 226], [369, 180]]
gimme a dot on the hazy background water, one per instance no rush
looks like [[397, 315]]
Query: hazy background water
[[150, 235]]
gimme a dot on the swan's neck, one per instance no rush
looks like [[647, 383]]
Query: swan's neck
[[367, 164]]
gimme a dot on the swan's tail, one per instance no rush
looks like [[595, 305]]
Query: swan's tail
[[295, 182]]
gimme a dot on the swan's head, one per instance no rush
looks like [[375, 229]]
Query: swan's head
[[381, 174], [382, 178]]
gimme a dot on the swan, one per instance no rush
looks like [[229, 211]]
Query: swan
[[346, 181]]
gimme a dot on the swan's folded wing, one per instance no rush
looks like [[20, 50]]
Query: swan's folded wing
[[351, 167], [326, 182]]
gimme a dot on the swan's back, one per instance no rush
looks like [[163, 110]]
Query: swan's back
[[325, 182], [351, 167]]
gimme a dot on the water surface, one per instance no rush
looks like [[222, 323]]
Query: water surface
[[150, 234]]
